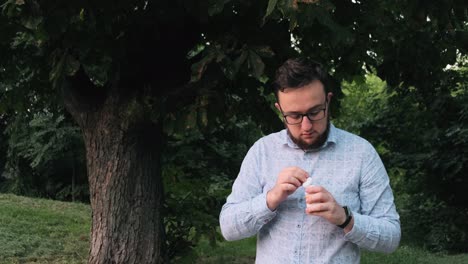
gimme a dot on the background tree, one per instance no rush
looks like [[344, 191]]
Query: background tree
[[134, 74], [41, 148], [425, 147]]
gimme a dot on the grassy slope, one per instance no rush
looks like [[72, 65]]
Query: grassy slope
[[45, 231]]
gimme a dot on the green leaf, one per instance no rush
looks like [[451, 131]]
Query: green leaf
[[292, 22], [240, 60], [59, 58], [11, 7], [264, 51], [271, 6], [98, 72], [195, 51], [256, 64], [32, 23], [199, 68], [217, 7], [71, 66], [229, 69]]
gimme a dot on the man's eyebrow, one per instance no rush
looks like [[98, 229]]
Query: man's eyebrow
[[313, 108], [317, 107]]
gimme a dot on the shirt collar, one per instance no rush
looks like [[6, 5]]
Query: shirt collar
[[331, 139]]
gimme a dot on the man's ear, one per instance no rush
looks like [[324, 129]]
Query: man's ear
[[329, 97], [278, 106]]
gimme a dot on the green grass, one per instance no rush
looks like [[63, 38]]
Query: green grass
[[410, 255], [243, 251], [44, 231], [239, 252]]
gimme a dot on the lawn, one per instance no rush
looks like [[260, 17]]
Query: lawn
[[244, 251], [44, 231]]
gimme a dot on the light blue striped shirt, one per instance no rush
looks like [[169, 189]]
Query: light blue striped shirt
[[348, 167]]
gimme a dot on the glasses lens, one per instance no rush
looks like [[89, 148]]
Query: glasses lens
[[316, 116], [293, 119]]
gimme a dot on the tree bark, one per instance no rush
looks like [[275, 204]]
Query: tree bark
[[125, 190], [123, 161]]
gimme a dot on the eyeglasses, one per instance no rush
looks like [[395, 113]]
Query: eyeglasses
[[296, 118]]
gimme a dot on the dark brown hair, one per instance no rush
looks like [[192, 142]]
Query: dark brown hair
[[298, 72]]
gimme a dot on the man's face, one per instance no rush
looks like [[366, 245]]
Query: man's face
[[307, 99]]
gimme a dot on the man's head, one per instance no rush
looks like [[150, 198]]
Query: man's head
[[303, 100]]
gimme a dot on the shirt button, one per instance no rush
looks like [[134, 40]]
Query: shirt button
[[298, 226]]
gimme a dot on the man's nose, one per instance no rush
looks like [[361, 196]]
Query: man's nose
[[306, 123]]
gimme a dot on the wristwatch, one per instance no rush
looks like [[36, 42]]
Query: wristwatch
[[349, 216]]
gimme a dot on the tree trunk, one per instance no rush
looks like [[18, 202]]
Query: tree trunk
[[123, 161], [125, 188]]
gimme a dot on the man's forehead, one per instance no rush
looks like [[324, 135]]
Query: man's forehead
[[315, 86], [306, 96]]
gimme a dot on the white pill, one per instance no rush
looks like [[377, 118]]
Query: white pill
[[308, 182]]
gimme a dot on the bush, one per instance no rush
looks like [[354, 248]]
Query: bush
[[198, 172], [45, 157], [421, 136]]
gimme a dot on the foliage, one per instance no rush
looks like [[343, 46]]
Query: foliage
[[198, 172], [426, 141], [362, 102], [45, 156], [423, 144]]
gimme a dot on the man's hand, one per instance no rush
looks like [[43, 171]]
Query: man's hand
[[321, 203], [289, 179]]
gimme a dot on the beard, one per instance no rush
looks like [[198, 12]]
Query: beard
[[315, 145]]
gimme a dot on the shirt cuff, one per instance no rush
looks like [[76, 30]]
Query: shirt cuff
[[260, 210], [359, 230]]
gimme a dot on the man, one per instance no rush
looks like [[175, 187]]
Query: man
[[349, 204]]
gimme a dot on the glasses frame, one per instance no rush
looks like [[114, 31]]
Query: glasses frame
[[306, 115]]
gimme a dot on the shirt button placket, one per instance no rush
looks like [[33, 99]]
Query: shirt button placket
[[296, 256], [297, 253]]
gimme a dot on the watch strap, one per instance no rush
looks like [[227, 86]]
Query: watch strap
[[349, 216]]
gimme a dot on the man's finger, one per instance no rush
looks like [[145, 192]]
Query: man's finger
[[299, 173], [302, 175], [314, 189], [289, 187], [316, 207], [319, 197], [293, 180]]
